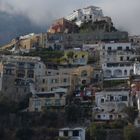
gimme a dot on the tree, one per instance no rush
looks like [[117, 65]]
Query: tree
[[70, 54], [7, 106], [73, 113], [129, 133], [24, 134], [96, 132], [132, 113]]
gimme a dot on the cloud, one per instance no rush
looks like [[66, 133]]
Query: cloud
[[41, 12], [125, 13]]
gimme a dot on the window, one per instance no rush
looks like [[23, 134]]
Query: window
[[102, 100], [42, 89], [98, 116], [36, 109], [56, 80], [48, 102], [124, 98], [96, 76], [83, 56], [64, 80], [131, 72], [103, 47], [49, 73], [128, 58], [20, 73], [119, 48], [110, 116], [127, 48], [65, 133], [75, 133], [53, 81], [30, 74], [119, 116], [84, 82], [85, 17], [90, 16], [84, 73], [121, 58], [21, 64], [57, 102], [30, 65], [125, 72], [43, 81], [37, 103], [109, 48]]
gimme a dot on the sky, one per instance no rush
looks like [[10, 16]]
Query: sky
[[124, 13]]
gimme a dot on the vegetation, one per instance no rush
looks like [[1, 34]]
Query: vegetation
[[130, 133], [114, 83], [132, 113], [96, 132], [70, 54], [24, 134], [97, 26], [47, 55], [73, 113], [7, 106]]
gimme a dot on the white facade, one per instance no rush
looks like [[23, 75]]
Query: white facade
[[137, 68], [116, 52], [117, 70], [90, 13], [110, 104], [73, 133], [86, 47]]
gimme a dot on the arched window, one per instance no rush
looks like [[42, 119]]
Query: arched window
[[118, 73], [84, 73], [125, 72], [131, 71]]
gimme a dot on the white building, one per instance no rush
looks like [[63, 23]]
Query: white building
[[110, 104], [90, 13], [116, 52], [86, 47], [115, 59], [137, 68], [77, 133], [117, 70]]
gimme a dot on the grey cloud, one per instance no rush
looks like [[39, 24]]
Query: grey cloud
[[41, 11], [125, 13]]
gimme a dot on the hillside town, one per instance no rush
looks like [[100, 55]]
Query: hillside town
[[80, 80]]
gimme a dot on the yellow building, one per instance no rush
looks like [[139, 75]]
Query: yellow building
[[48, 100], [69, 78], [84, 74], [75, 57], [27, 42], [16, 74]]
